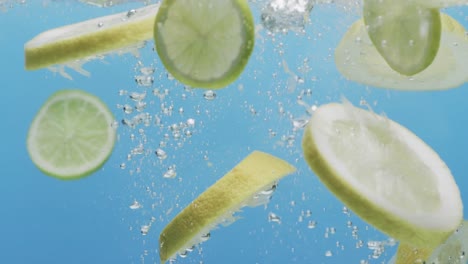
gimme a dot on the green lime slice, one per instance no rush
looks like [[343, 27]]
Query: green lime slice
[[204, 43], [249, 183], [71, 135], [357, 59], [90, 38], [406, 35], [384, 173]]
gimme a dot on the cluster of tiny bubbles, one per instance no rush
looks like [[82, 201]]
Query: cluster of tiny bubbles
[[282, 16]]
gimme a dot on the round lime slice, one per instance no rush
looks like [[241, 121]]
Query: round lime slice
[[204, 43], [384, 173], [71, 135], [249, 183], [406, 35], [91, 37], [357, 59]]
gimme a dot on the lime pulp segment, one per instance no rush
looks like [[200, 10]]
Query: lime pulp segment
[[91, 37], [384, 173], [71, 135], [249, 183], [204, 43]]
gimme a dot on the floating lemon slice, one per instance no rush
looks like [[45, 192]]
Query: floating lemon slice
[[440, 3], [384, 173], [71, 135], [406, 35], [204, 43], [358, 60], [249, 183], [90, 37]]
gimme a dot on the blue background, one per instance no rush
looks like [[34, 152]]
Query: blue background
[[45, 220]]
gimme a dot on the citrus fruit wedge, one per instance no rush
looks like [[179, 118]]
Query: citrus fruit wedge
[[89, 38], [384, 173], [358, 60], [249, 183], [204, 43], [406, 35], [71, 135]]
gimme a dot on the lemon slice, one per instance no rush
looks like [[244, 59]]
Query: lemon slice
[[90, 37], [358, 60], [204, 43], [71, 135], [384, 173], [249, 183], [406, 35]]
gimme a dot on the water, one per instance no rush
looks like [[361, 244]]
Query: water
[[116, 214]]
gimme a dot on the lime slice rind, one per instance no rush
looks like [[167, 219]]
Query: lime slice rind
[[376, 167], [72, 135], [357, 59], [204, 43], [90, 38], [249, 183]]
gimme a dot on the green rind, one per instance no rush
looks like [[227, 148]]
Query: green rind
[[364, 207], [230, 76], [97, 40], [247, 178], [84, 173]]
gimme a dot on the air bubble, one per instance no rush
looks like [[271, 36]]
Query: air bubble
[[170, 173], [144, 229], [209, 95], [135, 205], [272, 217], [161, 154]]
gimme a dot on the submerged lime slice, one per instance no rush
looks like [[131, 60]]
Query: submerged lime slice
[[249, 183], [384, 173], [91, 37], [406, 35], [71, 135], [357, 59], [204, 43]]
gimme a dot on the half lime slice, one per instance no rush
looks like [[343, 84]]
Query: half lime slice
[[358, 60], [71, 135], [204, 43], [384, 173], [90, 38], [249, 183]]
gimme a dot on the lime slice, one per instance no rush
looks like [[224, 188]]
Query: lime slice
[[406, 35], [71, 135], [204, 43], [91, 37], [249, 183], [384, 173], [358, 60]]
